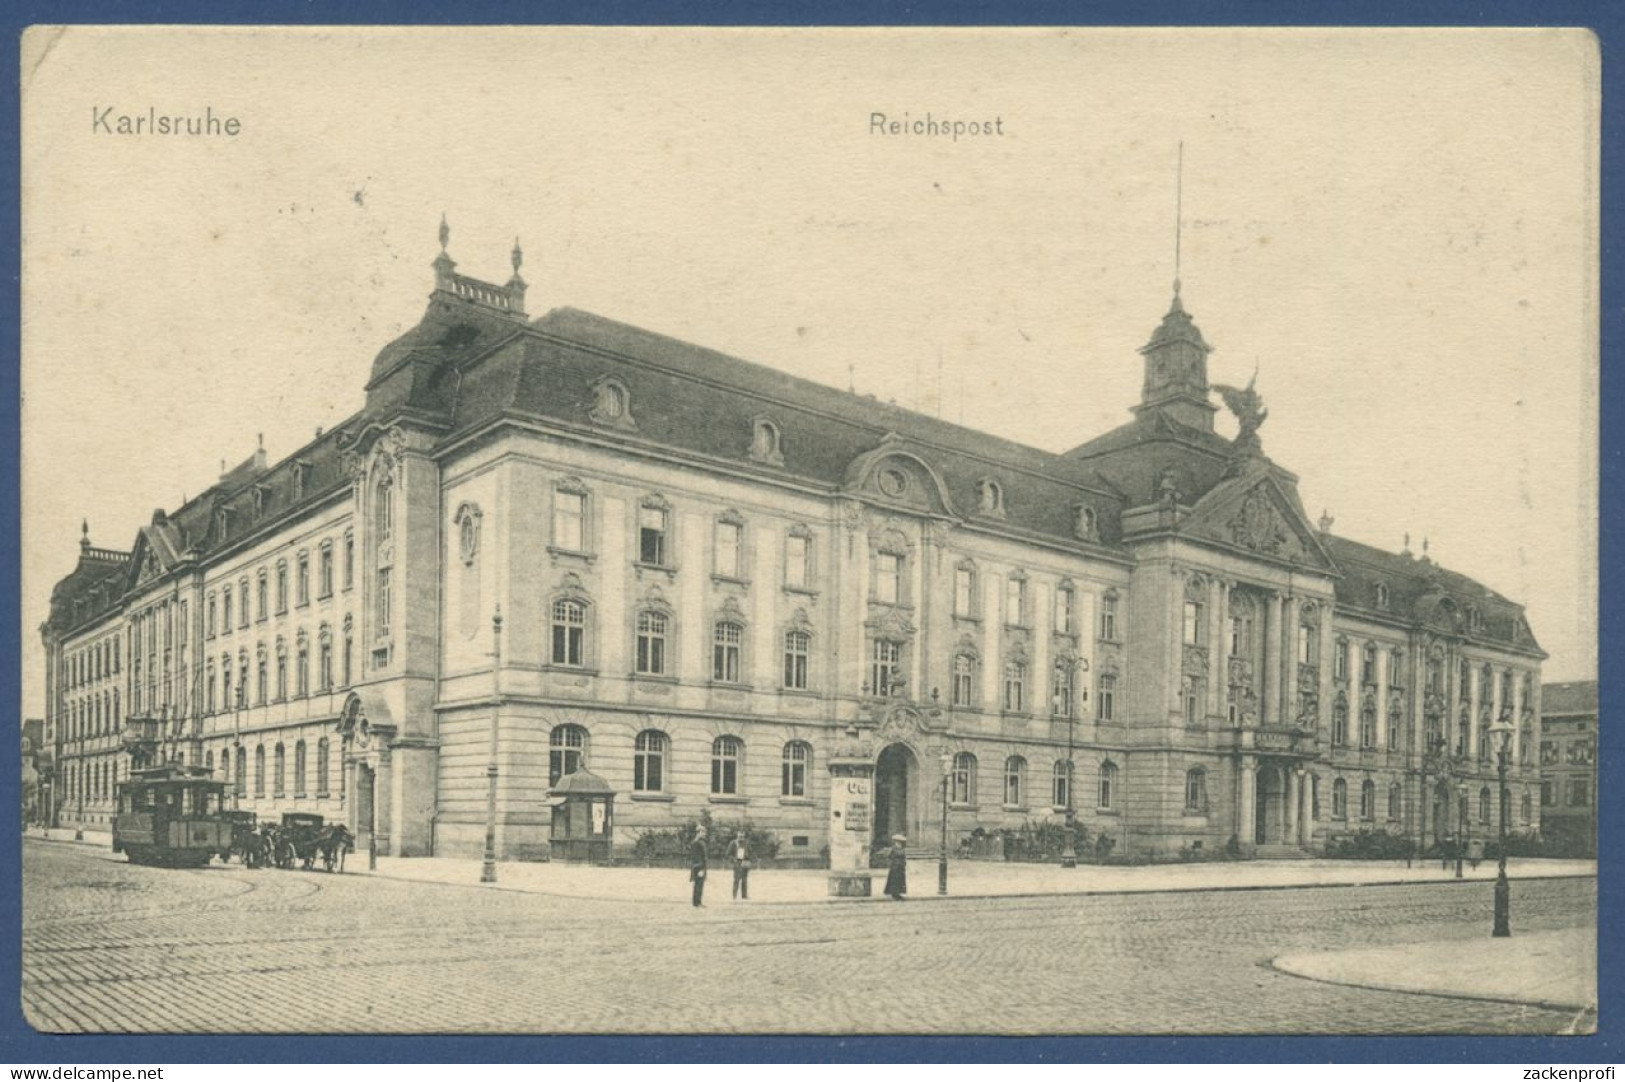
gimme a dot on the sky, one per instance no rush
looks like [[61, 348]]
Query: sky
[[1396, 229]]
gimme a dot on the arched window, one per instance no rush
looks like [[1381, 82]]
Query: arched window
[[1340, 720], [1527, 809], [1368, 799], [1195, 791], [764, 443], [1396, 798], [299, 768], [566, 752], [726, 753], [1015, 686], [282, 586], [1368, 723], [1396, 668], [1340, 799], [649, 762], [261, 681], [797, 649], [964, 686], [1382, 595], [1340, 660], [302, 667], [885, 665], [242, 771], [652, 628], [795, 768], [281, 669], [1108, 785], [1061, 784], [569, 632], [962, 782], [1484, 804], [725, 648], [1368, 663], [279, 775], [259, 770], [321, 766], [1015, 782]]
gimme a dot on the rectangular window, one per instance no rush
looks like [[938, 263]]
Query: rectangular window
[[652, 536], [242, 592], [885, 666], [324, 570], [1065, 610], [964, 592], [728, 543], [1235, 636], [651, 660], [1015, 687], [1015, 601], [1108, 618], [1105, 698], [225, 606], [382, 601], [349, 562], [281, 587], [725, 654], [888, 578], [302, 579], [569, 632], [325, 666], [798, 561], [263, 595], [648, 763], [796, 648], [569, 520], [1193, 623], [964, 680], [1061, 691], [1579, 792]]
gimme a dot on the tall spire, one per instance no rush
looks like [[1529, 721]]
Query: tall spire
[[1176, 357]]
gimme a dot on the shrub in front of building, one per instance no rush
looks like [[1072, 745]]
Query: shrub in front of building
[[671, 847], [1371, 845]]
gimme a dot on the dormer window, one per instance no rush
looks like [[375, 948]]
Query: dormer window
[[1083, 523], [301, 479], [612, 404], [764, 442], [990, 498], [261, 499], [1382, 595]]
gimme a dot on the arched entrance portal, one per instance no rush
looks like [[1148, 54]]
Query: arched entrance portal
[[365, 810], [897, 775]]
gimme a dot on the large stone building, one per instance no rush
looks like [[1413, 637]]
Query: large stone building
[[1568, 765], [715, 579]]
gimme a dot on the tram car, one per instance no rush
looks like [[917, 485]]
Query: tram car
[[172, 816]]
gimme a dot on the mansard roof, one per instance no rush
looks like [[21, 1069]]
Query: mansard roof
[[1420, 592], [699, 402], [89, 591]]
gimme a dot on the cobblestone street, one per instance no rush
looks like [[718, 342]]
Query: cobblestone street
[[112, 947]]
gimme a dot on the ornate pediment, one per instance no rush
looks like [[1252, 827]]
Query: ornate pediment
[[1253, 513]]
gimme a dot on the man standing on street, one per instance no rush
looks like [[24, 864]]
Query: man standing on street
[[697, 866], [740, 852]]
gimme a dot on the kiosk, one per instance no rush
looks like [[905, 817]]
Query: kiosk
[[583, 818]]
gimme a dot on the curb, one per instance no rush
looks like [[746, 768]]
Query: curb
[[1373, 986]]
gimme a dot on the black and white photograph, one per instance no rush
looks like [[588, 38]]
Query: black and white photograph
[[809, 531]]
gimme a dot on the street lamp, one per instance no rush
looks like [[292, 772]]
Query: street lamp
[[1501, 731], [1065, 701], [1461, 823], [488, 870], [947, 763]]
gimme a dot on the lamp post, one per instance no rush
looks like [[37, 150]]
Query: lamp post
[[1502, 732], [1065, 701], [488, 870], [1461, 823], [947, 763]]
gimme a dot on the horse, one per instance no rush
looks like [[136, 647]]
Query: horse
[[335, 842]]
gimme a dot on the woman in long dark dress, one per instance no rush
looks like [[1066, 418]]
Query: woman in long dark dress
[[897, 869]]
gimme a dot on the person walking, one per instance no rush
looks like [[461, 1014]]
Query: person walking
[[897, 869], [740, 852], [697, 865]]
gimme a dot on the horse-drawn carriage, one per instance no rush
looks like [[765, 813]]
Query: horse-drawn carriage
[[299, 840]]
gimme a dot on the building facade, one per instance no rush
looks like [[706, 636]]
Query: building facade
[[1568, 765], [553, 543]]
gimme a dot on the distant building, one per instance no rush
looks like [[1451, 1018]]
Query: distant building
[[715, 578], [1568, 765], [33, 789]]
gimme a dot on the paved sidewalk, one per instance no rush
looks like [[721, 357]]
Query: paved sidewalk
[[1543, 969], [966, 878]]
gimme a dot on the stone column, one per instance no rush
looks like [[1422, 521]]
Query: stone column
[[1304, 826], [1515, 745], [1308, 818], [1217, 646], [1382, 696], [1476, 697], [1173, 704], [1328, 662], [1269, 696], [1289, 806], [1246, 788], [1288, 671]]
